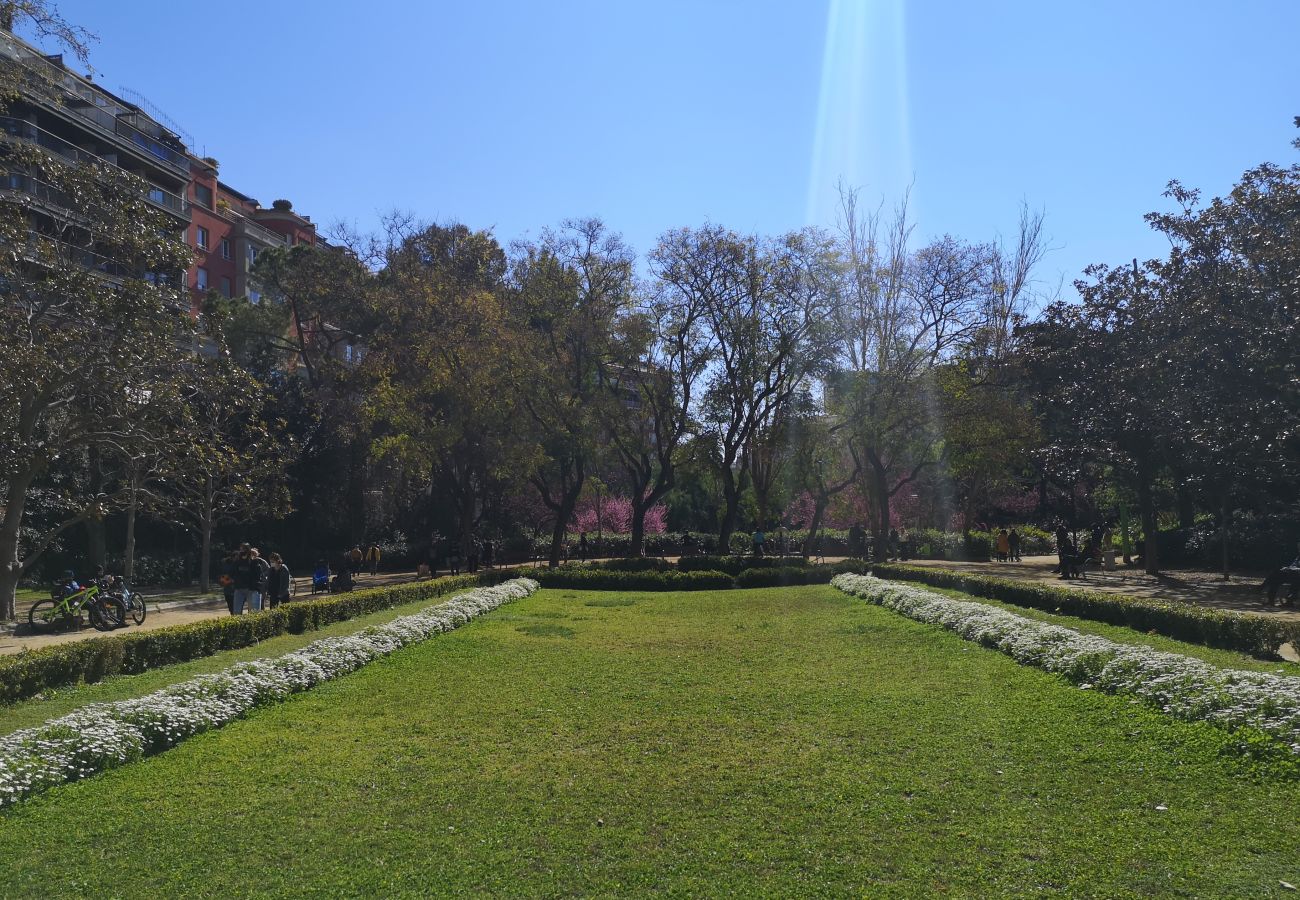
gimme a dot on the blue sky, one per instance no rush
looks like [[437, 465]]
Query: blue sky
[[515, 115]]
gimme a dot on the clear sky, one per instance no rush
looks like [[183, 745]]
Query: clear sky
[[652, 115]]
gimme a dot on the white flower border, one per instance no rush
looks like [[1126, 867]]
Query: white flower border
[[1181, 686], [104, 735]]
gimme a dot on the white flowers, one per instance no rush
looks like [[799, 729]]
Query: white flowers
[[103, 735], [1180, 686]]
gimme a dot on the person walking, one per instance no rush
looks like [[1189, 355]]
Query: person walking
[[355, 559], [227, 580], [759, 540], [582, 546], [373, 555], [472, 553], [1013, 545], [250, 580], [893, 550], [278, 582]]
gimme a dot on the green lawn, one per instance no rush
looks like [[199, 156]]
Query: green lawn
[[782, 741]]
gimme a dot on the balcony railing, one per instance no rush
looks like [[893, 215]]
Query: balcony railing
[[83, 100], [23, 130]]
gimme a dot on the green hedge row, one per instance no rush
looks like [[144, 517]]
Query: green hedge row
[[600, 578], [31, 672], [1255, 634], [612, 576], [734, 565]]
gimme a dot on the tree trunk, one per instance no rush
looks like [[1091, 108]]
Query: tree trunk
[[96, 542], [881, 491], [1186, 509], [814, 526], [11, 569], [1150, 525], [637, 547], [731, 497], [1223, 533], [562, 517], [128, 550], [205, 554]]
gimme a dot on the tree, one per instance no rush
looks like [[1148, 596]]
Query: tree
[[766, 306], [571, 289], [660, 356], [233, 467], [92, 326], [440, 368]]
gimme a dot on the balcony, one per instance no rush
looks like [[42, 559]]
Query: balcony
[[22, 130], [89, 104]]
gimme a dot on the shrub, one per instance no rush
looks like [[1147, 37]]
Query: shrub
[[734, 565], [637, 564], [597, 578], [29, 673], [1255, 634]]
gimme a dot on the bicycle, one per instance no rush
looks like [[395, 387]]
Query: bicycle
[[134, 603], [104, 611]]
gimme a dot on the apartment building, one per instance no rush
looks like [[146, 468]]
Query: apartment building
[[82, 121]]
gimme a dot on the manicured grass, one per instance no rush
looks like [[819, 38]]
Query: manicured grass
[[776, 741], [64, 700]]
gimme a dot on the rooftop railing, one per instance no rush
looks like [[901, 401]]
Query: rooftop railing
[[92, 105]]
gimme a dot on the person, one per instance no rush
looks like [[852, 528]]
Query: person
[[1062, 541], [278, 582], [1068, 554], [688, 544], [373, 555], [67, 585], [355, 558], [227, 581], [342, 581], [892, 552], [453, 556], [582, 546], [472, 554], [759, 540], [250, 580], [1013, 545], [320, 579], [1004, 545], [1288, 575], [855, 541]]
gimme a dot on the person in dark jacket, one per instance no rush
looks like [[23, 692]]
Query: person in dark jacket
[[250, 581], [1013, 542], [278, 582], [227, 580]]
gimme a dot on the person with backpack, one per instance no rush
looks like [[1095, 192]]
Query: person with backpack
[[373, 555]]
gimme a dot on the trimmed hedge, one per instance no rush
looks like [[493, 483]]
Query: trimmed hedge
[[600, 578], [1255, 634], [29, 673], [734, 565]]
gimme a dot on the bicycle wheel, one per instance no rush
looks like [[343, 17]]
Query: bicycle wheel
[[107, 613], [139, 608], [44, 616]]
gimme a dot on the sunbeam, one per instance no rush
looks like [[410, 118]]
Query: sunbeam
[[862, 134]]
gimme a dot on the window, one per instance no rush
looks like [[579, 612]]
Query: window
[[201, 278], [200, 237], [157, 195], [225, 286], [252, 257], [203, 195], [225, 248], [347, 353]]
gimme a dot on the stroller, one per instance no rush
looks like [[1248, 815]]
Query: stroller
[[320, 579]]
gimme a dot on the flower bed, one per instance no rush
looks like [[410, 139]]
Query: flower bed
[[104, 735], [1180, 686], [1255, 634]]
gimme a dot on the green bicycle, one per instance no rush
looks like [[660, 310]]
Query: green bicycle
[[64, 610]]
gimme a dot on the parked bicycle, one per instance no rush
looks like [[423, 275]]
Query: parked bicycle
[[133, 602], [65, 609]]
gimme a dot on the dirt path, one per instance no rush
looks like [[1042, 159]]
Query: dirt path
[[1241, 594]]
